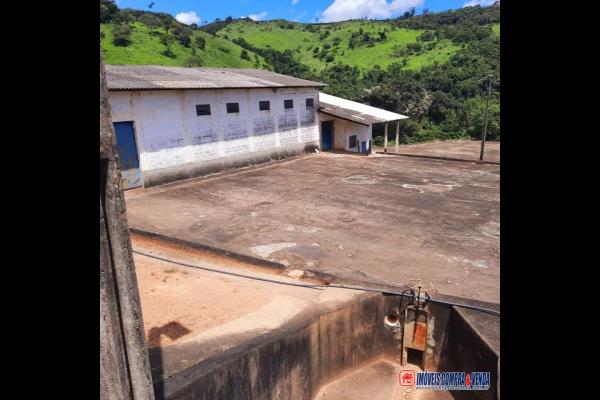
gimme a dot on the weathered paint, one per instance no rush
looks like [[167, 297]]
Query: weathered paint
[[171, 137], [342, 130], [326, 133], [129, 163]]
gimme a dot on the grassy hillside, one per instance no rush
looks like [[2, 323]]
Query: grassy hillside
[[146, 48], [304, 39], [431, 67]]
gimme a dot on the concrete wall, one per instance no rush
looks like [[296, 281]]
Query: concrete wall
[[175, 143], [318, 347], [343, 129], [289, 364]]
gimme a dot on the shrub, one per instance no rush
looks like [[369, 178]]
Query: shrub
[[121, 34], [244, 55], [193, 62], [426, 36]]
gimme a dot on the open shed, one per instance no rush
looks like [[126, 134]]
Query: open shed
[[348, 125]]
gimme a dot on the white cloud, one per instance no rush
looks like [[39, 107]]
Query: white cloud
[[258, 17], [295, 2], [482, 3], [188, 18], [341, 10]]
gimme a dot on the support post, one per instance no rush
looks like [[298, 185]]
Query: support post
[[385, 138], [397, 136], [485, 123], [124, 363]]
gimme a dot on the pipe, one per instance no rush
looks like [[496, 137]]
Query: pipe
[[319, 287]]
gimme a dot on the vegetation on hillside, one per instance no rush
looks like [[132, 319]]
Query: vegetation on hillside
[[431, 67], [140, 37]]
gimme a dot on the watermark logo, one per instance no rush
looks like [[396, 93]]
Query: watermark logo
[[407, 377], [445, 380]]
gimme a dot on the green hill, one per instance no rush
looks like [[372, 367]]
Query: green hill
[[319, 45], [146, 48]]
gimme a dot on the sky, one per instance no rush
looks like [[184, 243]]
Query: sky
[[199, 11]]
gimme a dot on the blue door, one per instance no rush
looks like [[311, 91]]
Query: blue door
[[363, 147], [326, 135], [129, 163]]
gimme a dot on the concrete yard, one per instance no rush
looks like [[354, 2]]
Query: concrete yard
[[382, 219], [457, 149]]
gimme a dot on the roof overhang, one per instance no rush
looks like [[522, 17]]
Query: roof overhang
[[355, 112]]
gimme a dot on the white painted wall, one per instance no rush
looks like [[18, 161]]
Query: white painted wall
[[169, 133], [343, 129]]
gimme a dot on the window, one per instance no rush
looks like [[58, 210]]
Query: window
[[264, 105], [233, 108], [202, 109], [310, 103], [288, 104], [352, 140]]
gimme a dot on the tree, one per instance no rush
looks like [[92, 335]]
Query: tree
[[167, 24], [244, 55], [151, 21], [200, 42], [167, 40], [108, 10], [183, 35], [121, 34]]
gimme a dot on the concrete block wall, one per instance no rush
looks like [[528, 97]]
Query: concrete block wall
[[174, 143]]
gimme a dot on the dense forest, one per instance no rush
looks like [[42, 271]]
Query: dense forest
[[431, 67]]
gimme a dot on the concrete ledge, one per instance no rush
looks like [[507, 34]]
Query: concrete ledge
[[186, 171], [438, 158], [309, 275]]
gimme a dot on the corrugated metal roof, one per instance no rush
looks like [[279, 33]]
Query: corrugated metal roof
[[154, 77], [354, 111]]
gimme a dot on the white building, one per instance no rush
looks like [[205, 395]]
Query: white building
[[350, 123], [174, 123]]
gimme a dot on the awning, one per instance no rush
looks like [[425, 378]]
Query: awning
[[356, 112]]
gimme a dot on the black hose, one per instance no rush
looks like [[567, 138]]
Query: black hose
[[319, 287]]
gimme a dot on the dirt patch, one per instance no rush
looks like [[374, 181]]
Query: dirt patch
[[178, 302], [183, 304]]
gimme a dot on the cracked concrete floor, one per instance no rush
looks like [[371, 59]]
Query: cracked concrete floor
[[382, 219]]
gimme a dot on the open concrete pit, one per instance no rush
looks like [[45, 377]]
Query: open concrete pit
[[217, 336]]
